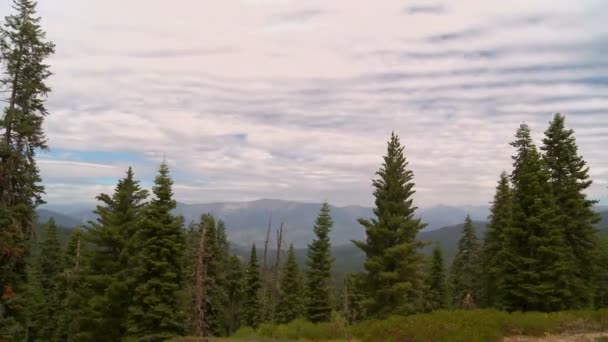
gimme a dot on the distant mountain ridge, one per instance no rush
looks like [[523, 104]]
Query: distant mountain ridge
[[247, 221]]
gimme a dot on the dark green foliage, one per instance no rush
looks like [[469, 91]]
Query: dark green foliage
[[215, 260], [252, 305], [23, 51], [291, 295], [235, 288], [109, 274], [501, 214], [49, 266], [353, 297], [569, 177], [465, 273], [536, 264], [154, 313], [601, 283], [73, 318], [393, 265], [318, 273], [437, 287]]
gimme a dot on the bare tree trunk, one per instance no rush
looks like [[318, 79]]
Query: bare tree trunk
[[200, 275], [264, 273], [277, 267]]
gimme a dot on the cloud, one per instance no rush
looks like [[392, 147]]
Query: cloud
[[304, 114], [425, 9]]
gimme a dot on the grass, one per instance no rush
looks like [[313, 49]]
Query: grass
[[452, 326]]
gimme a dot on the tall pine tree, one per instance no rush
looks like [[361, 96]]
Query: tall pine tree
[[252, 305], [465, 272], [235, 288], [291, 296], [394, 264], [569, 179], [154, 313], [109, 273], [501, 214], [437, 286], [537, 265], [23, 51], [318, 273], [50, 265]]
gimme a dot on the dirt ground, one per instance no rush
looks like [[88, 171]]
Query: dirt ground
[[588, 337]]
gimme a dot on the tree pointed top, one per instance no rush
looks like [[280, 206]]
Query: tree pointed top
[[163, 187]]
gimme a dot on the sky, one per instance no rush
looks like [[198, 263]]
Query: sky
[[292, 99]]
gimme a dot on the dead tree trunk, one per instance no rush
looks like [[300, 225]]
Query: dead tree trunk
[[200, 275]]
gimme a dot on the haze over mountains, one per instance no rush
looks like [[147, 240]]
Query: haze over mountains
[[247, 222]]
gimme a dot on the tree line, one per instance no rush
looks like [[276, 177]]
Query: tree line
[[139, 273]]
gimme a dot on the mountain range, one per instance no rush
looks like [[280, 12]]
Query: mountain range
[[247, 222]]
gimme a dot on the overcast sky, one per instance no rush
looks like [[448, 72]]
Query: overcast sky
[[285, 99]]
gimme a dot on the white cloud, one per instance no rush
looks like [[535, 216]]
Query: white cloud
[[248, 99]]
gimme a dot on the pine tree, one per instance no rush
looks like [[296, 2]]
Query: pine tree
[[536, 264], [252, 306], [216, 300], [154, 313], [73, 317], [235, 288], [437, 287], [50, 265], [109, 274], [353, 297], [393, 263], [291, 304], [23, 51], [501, 214], [466, 271], [318, 274], [601, 283], [569, 179]]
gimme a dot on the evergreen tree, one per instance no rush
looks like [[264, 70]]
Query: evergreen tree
[[437, 287], [465, 271], [393, 263], [318, 275], [50, 265], [569, 179], [252, 306], [235, 286], [353, 297], [109, 275], [216, 300], [291, 303], [23, 51], [601, 283], [73, 319], [501, 214], [536, 264], [154, 313]]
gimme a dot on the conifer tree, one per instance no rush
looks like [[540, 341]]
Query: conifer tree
[[291, 296], [23, 52], [437, 287], [569, 179], [501, 214], [215, 279], [601, 283], [154, 313], [252, 306], [318, 274], [50, 265], [109, 275], [465, 272], [536, 264], [74, 315], [393, 265], [235, 288]]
